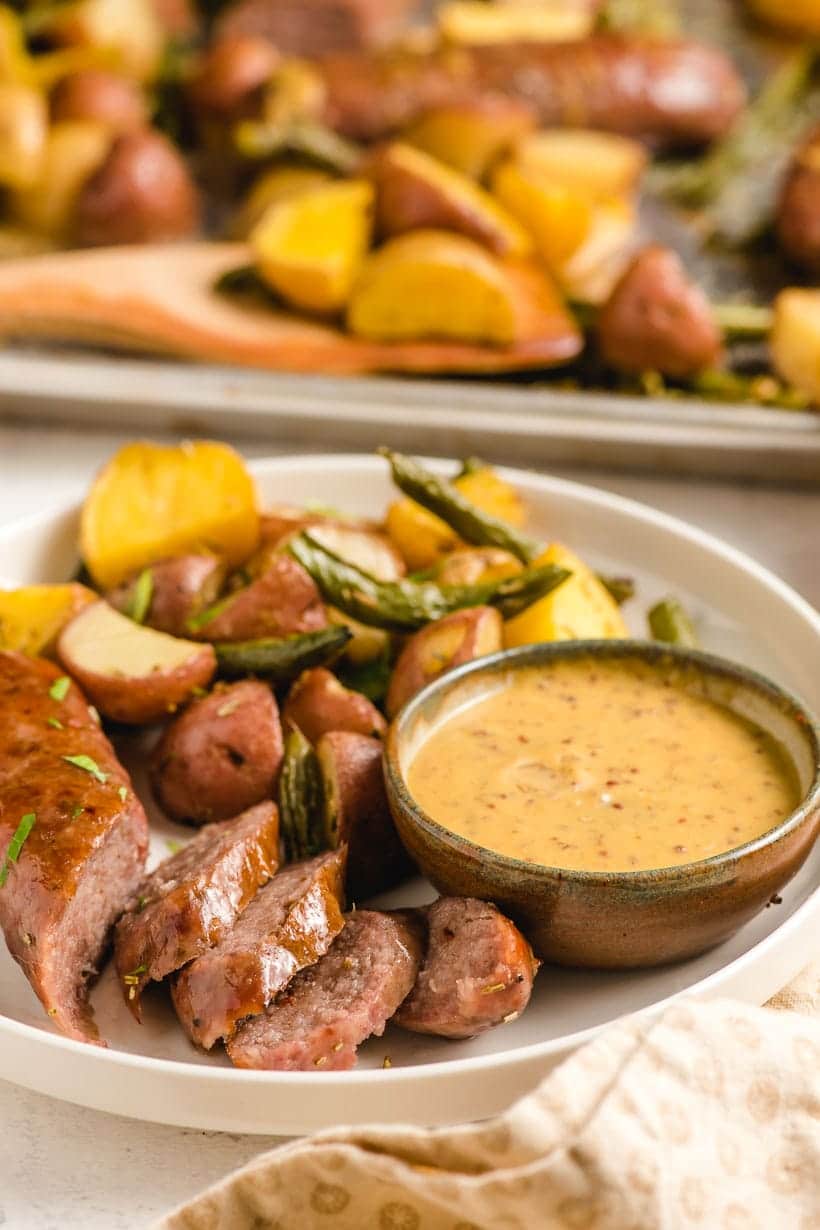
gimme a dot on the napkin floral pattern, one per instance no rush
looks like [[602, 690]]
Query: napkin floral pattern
[[706, 1118]]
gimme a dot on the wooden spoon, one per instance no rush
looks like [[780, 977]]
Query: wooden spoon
[[159, 299]]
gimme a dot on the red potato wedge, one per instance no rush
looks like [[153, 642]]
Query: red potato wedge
[[160, 300], [439, 647], [318, 702], [221, 756], [357, 813], [180, 589], [131, 673], [415, 190]]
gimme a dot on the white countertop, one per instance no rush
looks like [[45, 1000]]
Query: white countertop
[[66, 1168]]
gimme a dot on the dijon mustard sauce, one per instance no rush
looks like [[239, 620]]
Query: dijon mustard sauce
[[602, 767]]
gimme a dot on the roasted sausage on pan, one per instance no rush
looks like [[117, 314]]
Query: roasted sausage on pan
[[673, 92]]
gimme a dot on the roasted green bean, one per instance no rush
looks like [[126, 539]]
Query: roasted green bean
[[281, 659], [441, 497], [403, 606], [301, 799], [669, 621]]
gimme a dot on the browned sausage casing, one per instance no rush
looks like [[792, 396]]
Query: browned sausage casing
[[85, 854], [191, 901], [289, 925], [673, 92], [478, 971], [319, 1020]]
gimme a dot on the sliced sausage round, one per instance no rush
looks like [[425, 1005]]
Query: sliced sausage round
[[478, 971], [328, 1010]]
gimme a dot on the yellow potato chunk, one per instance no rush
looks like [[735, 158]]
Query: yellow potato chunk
[[580, 609], [31, 618], [424, 539], [590, 273], [558, 218], [73, 152], [23, 131], [470, 136], [153, 501], [309, 249], [280, 183], [795, 340], [433, 284], [473, 22], [598, 164]]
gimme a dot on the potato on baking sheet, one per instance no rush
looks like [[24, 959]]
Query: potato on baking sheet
[[415, 191], [470, 136], [435, 284], [153, 501], [795, 339], [309, 249], [473, 22], [598, 164]]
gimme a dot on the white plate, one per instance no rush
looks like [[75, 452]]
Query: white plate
[[152, 1073]]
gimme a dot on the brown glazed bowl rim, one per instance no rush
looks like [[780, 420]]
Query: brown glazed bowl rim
[[654, 653]]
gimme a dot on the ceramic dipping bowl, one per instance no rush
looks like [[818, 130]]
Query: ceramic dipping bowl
[[618, 919]]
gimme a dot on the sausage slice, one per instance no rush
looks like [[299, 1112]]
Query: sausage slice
[[290, 924], [190, 902], [320, 1019], [478, 971], [85, 852], [220, 756]]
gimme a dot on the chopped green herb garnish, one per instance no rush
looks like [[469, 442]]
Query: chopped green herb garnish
[[16, 844], [139, 603], [123, 793], [78, 811], [88, 766], [229, 707], [174, 846], [209, 614], [59, 688], [141, 904], [133, 978], [55, 722]]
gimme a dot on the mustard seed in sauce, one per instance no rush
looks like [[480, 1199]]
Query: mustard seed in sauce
[[616, 759]]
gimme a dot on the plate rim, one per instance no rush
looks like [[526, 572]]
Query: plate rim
[[548, 1050]]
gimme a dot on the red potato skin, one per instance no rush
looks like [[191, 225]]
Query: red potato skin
[[221, 756], [190, 902], [318, 703], [353, 774], [657, 320], [478, 971], [93, 94], [85, 854], [672, 92], [798, 212], [138, 700], [482, 632], [182, 587], [231, 74], [142, 193], [407, 201], [280, 602]]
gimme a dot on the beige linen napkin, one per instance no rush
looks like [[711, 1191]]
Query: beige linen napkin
[[706, 1118]]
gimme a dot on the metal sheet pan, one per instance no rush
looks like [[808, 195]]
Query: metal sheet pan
[[525, 424], [522, 423]]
